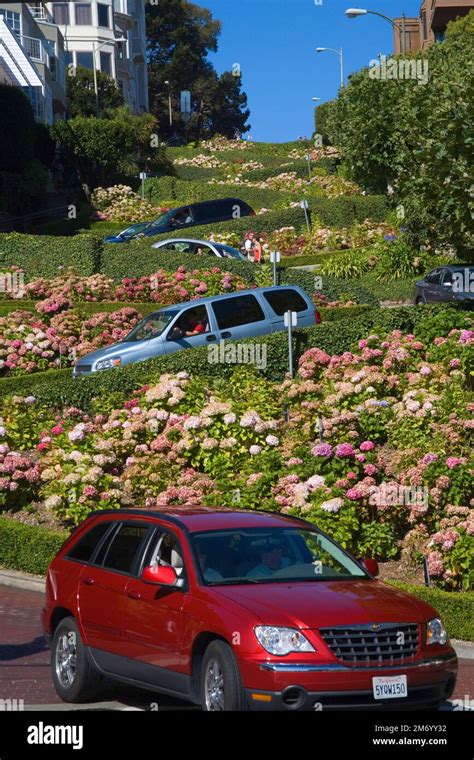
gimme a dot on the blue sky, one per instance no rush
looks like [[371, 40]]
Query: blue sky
[[274, 42]]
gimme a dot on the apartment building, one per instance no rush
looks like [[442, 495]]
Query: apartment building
[[32, 57], [110, 36], [39, 41], [430, 25]]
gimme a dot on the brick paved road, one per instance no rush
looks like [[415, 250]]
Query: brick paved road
[[25, 660]]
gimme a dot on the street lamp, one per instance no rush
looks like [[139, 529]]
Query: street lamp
[[354, 12], [341, 61], [95, 49], [169, 103]]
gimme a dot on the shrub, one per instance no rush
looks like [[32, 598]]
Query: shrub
[[44, 256], [28, 548], [453, 608]]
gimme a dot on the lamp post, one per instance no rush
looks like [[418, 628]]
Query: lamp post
[[170, 112], [355, 12], [95, 49], [341, 60]]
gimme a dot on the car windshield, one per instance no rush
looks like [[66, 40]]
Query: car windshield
[[163, 219], [228, 252], [271, 555], [135, 229], [151, 326]]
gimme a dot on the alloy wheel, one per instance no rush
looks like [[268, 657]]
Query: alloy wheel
[[214, 686]]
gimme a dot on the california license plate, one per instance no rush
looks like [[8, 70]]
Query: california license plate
[[390, 687]]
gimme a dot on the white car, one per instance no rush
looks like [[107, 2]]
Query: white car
[[185, 245]]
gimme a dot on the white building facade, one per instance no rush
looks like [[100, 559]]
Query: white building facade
[[109, 36]]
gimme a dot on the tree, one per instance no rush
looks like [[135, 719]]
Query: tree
[[179, 37], [23, 176], [418, 138], [81, 93], [107, 149]]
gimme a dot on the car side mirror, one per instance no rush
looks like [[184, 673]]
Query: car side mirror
[[372, 566], [162, 575]]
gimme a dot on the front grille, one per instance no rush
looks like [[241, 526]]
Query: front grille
[[80, 368], [362, 644]]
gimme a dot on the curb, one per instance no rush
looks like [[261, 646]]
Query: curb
[[463, 649], [22, 580]]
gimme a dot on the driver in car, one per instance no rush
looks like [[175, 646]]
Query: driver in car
[[191, 323], [272, 559]]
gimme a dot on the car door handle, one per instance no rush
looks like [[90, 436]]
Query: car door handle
[[226, 334], [210, 338], [88, 581], [134, 595]]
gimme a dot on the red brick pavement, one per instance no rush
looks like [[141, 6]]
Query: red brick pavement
[[25, 658]]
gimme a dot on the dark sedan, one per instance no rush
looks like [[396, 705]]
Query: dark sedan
[[447, 284]]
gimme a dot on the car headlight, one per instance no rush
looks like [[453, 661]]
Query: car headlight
[[108, 363], [282, 640], [436, 632]]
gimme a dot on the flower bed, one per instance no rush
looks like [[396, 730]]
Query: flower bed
[[391, 475]]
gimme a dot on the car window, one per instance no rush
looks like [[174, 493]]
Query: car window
[[84, 548], [200, 249], [205, 212], [446, 276], [166, 550], [434, 277], [124, 547], [240, 310], [285, 300], [193, 321], [182, 217]]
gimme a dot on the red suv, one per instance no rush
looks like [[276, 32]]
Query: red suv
[[236, 610]]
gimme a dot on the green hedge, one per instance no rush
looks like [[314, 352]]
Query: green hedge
[[27, 548], [139, 259], [42, 255], [334, 289], [453, 608], [341, 211]]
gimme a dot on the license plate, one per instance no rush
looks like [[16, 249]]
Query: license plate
[[390, 687]]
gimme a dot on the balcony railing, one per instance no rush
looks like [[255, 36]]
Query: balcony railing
[[40, 12], [34, 48]]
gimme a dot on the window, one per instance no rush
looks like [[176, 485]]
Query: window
[[439, 36], [241, 310], [85, 59], [83, 14], [434, 277], [13, 21], [193, 321], [103, 14], [165, 549], [285, 300], [84, 548], [106, 63], [124, 547], [61, 13]]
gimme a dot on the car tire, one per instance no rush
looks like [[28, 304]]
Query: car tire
[[221, 683], [75, 678], [419, 301]]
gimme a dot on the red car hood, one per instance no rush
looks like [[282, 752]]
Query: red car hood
[[328, 603]]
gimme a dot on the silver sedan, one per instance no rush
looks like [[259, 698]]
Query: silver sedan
[[186, 245]]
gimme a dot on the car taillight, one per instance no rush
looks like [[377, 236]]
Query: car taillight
[[317, 317], [252, 213]]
